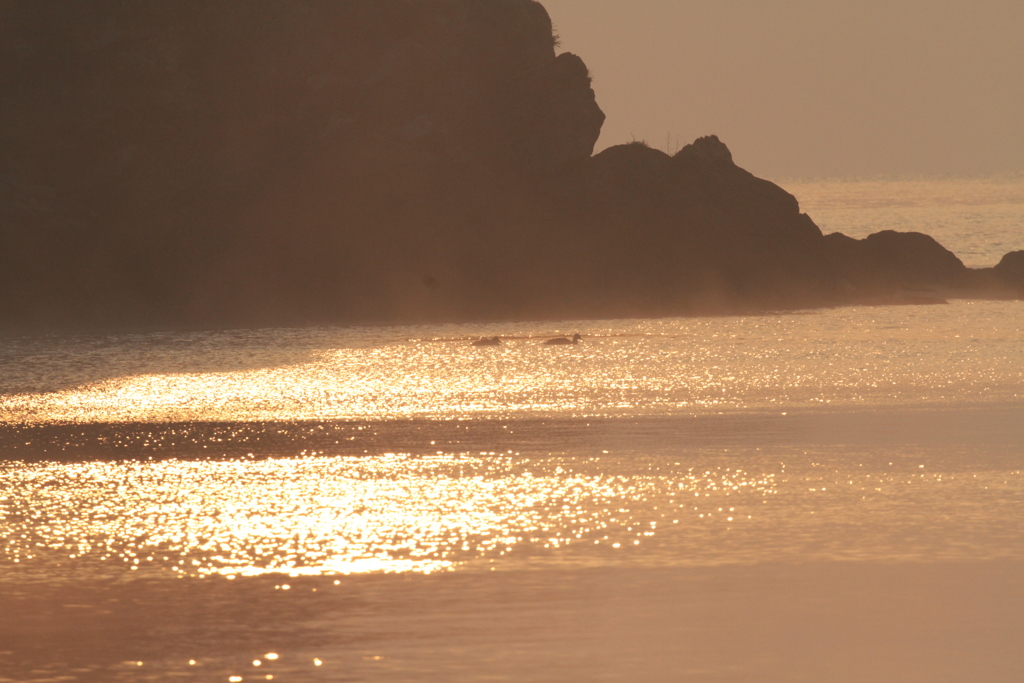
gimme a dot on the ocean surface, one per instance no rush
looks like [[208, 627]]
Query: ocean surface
[[823, 495]]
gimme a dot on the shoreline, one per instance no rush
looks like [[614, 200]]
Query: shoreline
[[923, 297]]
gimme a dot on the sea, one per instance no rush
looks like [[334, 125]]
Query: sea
[[828, 495]]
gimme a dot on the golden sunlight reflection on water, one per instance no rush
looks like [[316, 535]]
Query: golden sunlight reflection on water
[[848, 357], [761, 497], [400, 513], [528, 488], [329, 515]]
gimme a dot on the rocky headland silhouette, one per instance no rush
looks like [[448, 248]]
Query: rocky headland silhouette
[[253, 162]]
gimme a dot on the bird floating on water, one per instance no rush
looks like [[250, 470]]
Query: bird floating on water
[[483, 341], [576, 338]]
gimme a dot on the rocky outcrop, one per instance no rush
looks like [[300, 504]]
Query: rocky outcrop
[[1010, 271], [249, 160], [244, 162], [891, 263], [687, 233], [910, 267]]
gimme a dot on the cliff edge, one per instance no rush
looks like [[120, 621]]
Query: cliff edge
[[251, 162]]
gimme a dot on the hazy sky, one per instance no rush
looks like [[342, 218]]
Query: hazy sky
[[807, 88]]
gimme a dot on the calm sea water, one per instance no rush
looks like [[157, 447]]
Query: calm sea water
[[830, 495]]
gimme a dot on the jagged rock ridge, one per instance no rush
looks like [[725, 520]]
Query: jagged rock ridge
[[249, 162]]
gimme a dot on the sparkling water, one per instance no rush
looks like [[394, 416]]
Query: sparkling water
[[817, 495]]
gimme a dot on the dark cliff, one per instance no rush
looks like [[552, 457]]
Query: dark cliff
[[255, 162], [689, 233]]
